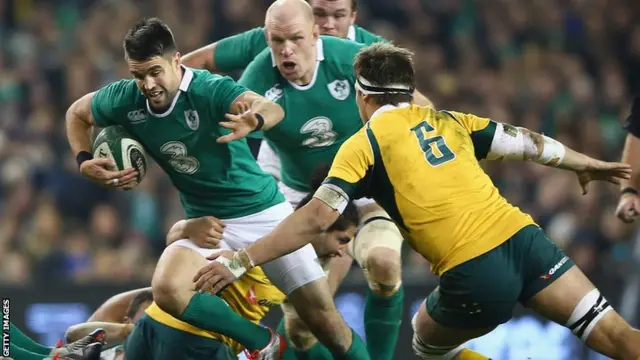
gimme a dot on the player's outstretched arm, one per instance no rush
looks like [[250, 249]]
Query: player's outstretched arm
[[511, 142], [294, 232], [115, 308], [114, 332], [250, 112]]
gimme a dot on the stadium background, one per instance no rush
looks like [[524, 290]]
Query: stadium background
[[565, 68]]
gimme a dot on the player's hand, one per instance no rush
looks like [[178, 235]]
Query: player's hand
[[216, 275], [596, 170], [628, 207], [103, 172], [240, 124], [206, 231]]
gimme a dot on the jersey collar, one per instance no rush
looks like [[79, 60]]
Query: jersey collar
[[187, 77], [351, 34], [387, 108], [319, 53]]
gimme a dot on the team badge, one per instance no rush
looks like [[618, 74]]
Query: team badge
[[274, 93], [192, 119], [339, 89]]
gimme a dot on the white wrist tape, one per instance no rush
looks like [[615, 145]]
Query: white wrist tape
[[234, 265]]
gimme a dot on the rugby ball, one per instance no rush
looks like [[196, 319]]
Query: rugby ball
[[115, 143]]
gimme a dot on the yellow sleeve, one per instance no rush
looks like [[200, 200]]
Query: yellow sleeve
[[350, 168], [481, 130]]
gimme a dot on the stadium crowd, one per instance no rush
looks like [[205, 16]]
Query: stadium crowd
[[565, 68]]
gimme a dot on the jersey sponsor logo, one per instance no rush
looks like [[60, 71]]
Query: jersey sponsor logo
[[179, 160], [137, 116], [192, 119], [274, 93], [321, 132], [339, 89], [555, 268], [252, 298]]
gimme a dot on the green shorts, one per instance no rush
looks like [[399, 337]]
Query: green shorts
[[151, 340], [482, 292]]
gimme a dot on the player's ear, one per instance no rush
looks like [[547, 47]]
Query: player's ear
[[176, 60]]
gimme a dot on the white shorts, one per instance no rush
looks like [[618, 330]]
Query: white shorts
[[294, 196], [288, 272], [268, 160]]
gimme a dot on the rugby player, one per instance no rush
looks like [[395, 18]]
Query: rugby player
[[422, 166], [183, 113], [311, 77], [629, 204], [22, 347]]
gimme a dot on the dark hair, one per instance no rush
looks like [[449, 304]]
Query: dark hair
[[383, 65], [349, 217], [148, 38], [134, 305]]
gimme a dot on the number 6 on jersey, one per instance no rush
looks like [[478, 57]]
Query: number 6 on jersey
[[433, 158]]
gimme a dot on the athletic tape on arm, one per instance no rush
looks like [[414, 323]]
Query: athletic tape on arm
[[333, 196], [510, 142]]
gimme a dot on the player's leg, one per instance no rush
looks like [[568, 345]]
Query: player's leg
[[301, 278], [434, 341], [377, 248], [302, 342], [173, 291], [461, 308], [21, 340], [560, 291]]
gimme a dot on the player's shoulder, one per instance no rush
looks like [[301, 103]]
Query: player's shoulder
[[339, 51], [366, 37], [119, 94], [203, 82]]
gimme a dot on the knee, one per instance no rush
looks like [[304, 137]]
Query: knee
[[165, 293], [300, 336], [383, 270], [425, 351]]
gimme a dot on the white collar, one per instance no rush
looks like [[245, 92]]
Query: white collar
[[319, 53], [351, 34], [187, 77], [387, 108]]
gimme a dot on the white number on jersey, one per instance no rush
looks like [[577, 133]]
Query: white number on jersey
[[179, 159], [321, 130]]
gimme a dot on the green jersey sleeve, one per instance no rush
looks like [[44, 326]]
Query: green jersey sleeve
[[110, 104], [222, 92], [236, 52]]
